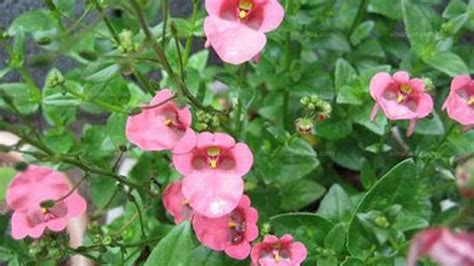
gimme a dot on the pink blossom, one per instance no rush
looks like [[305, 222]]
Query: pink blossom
[[176, 204], [236, 28], [212, 171], [278, 252], [37, 185], [444, 247], [460, 102], [230, 233], [400, 98], [161, 127]]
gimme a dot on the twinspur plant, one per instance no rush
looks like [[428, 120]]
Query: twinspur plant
[[238, 132]]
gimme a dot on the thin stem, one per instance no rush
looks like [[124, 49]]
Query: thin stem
[[160, 104], [164, 61], [98, 102], [165, 22], [144, 81], [189, 40], [178, 49], [140, 217], [84, 177], [109, 25]]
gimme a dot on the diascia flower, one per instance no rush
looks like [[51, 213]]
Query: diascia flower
[[444, 247], [278, 252], [400, 98], [160, 125], [27, 195], [236, 28], [213, 170], [460, 102], [176, 204], [230, 233]]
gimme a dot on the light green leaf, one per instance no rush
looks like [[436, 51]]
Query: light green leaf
[[174, 249], [6, 175], [448, 63], [301, 192], [418, 28], [361, 32]]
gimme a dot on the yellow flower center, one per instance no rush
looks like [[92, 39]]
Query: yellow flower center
[[470, 101], [244, 8], [44, 210], [406, 89], [213, 154], [168, 122]]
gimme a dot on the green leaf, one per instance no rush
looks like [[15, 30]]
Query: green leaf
[[6, 175], [202, 256], [101, 71], [352, 262], [174, 249], [334, 129], [345, 74], [361, 32], [24, 96], [367, 175], [336, 238], [301, 192], [294, 161], [407, 223], [114, 92], [447, 62], [402, 186], [308, 228], [418, 28], [389, 8], [361, 116], [198, 60], [346, 154], [34, 21], [336, 204], [348, 95]]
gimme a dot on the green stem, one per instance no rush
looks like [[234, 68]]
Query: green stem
[[165, 22], [108, 23], [140, 217], [97, 102], [164, 61], [189, 40]]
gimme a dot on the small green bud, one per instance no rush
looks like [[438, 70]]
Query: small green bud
[[382, 222], [21, 166], [174, 28], [429, 86], [88, 55], [54, 78], [44, 40], [265, 230], [4, 35], [106, 240], [127, 45], [135, 111], [47, 204]]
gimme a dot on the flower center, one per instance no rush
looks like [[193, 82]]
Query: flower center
[[213, 155], [245, 6], [168, 122], [405, 91], [470, 101], [236, 226]]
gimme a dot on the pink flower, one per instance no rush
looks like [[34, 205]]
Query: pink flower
[[444, 247], [236, 28], [400, 98], [37, 185], [212, 171], [176, 204], [230, 233], [161, 127], [460, 102], [278, 252]]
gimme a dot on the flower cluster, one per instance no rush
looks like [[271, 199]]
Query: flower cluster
[[51, 206], [402, 98], [211, 193]]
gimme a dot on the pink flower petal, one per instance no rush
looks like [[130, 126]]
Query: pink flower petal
[[221, 140], [213, 195], [411, 127], [298, 252], [268, 15], [234, 42], [460, 82], [238, 252], [76, 205], [175, 202], [243, 159], [417, 84], [57, 225], [162, 96], [379, 83], [213, 233], [19, 225], [186, 143], [401, 77]]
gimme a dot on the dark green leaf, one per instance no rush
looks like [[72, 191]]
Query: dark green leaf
[[447, 62], [301, 193], [336, 204]]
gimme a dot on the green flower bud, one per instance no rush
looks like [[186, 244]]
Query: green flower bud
[[429, 86], [44, 40], [304, 126], [382, 222], [21, 166], [54, 78], [127, 45], [106, 240]]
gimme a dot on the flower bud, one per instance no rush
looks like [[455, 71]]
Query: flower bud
[[44, 40], [465, 178], [382, 222], [127, 45], [54, 78], [429, 86], [88, 55], [304, 126], [21, 166]]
